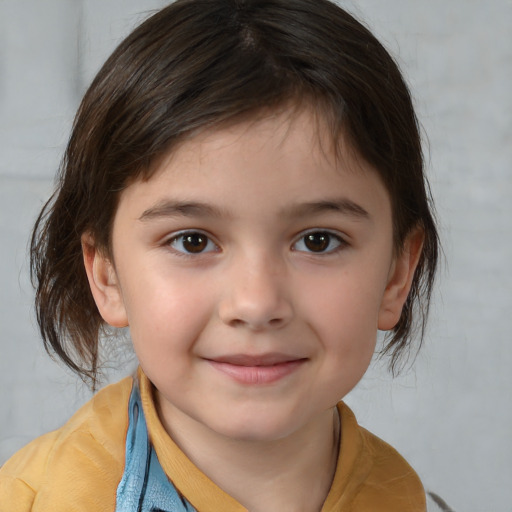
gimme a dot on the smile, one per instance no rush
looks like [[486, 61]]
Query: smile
[[257, 370]]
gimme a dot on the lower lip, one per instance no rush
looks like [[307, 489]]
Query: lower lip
[[258, 375]]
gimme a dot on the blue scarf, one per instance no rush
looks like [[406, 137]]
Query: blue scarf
[[144, 486]]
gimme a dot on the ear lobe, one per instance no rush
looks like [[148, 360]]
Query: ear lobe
[[104, 284], [400, 280]]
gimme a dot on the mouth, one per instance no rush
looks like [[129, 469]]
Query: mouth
[[257, 369]]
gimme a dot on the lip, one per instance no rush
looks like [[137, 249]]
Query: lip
[[257, 369]]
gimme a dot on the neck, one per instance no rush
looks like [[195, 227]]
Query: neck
[[293, 473]]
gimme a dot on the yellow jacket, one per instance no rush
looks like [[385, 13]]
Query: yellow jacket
[[79, 467]]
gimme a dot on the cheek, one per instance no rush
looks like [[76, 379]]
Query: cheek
[[347, 303], [344, 316], [348, 334], [167, 316]]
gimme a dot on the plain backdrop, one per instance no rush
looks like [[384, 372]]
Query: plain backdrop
[[451, 414]]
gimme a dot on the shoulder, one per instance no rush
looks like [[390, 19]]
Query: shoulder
[[386, 480], [84, 458]]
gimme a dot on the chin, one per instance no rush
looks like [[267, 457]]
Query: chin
[[256, 429]]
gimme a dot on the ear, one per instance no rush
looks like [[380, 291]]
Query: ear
[[104, 284], [400, 280]]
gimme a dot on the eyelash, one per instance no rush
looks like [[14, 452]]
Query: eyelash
[[182, 236], [329, 238], [324, 237]]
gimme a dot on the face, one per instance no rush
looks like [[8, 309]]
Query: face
[[253, 270]]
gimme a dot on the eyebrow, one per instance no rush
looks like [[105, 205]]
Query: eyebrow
[[343, 206], [170, 208]]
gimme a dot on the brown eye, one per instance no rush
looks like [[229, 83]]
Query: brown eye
[[318, 242], [193, 242]]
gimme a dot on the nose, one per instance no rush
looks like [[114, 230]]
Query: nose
[[256, 296]]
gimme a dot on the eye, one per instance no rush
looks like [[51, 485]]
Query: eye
[[192, 242], [319, 242]]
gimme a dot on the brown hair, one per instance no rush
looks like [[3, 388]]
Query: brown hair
[[198, 63]]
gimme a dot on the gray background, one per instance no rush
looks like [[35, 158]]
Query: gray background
[[451, 414]]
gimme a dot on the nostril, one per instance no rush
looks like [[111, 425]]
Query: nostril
[[272, 323], [255, 309]]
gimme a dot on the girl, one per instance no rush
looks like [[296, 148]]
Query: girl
[[243, 188]]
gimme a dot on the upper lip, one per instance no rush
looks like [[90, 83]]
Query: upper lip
[[268, 359]]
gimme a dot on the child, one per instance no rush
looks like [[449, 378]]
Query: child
[[244, 189]]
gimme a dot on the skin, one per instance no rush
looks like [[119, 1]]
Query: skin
[[250, 331]]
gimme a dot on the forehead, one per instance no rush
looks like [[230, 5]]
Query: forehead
[[290, 130], [279, 158]]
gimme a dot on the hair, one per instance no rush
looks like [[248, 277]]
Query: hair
[[195, 65]]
